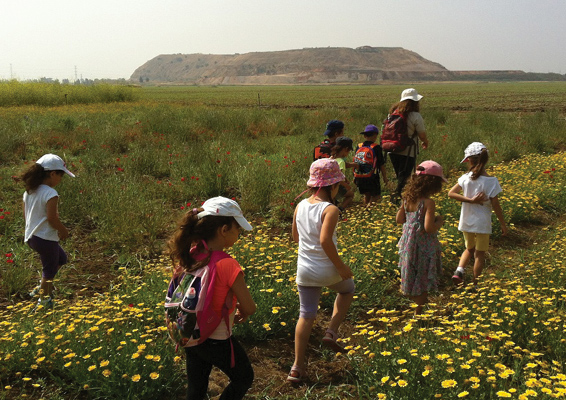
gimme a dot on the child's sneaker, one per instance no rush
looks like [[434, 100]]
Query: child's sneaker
[[457, 278], [35, 291], [46, 304]]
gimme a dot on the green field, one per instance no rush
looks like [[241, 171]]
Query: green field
[[140, 163]]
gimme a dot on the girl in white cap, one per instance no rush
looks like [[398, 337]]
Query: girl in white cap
[[419, 248], [43, 228], [478, 193], [404, 161], [318, 263], [204, 231]]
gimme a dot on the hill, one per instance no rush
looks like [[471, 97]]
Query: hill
[[310, 66]]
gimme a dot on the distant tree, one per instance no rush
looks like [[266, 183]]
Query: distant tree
[[141, 79]]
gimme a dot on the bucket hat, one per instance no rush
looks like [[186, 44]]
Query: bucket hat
[[473, 149], [52, 162], [325, 172], [410, 94], [430, 168], [224, 207]]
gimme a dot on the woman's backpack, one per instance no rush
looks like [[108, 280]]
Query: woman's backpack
[[188, 305], [394, 136]]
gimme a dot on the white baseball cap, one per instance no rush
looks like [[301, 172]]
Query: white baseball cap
[[224, 207], [410, 94], [52, 162], [473, 149]]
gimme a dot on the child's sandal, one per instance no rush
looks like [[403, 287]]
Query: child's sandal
[[296, 375], [331, 343]]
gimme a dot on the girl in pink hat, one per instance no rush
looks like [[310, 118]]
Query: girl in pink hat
[[318, 263], [419, 248]]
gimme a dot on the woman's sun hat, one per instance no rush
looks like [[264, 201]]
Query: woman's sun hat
[[52, 162], [325, 172], [410, 94], [224, 207], [430, 168], [473, 149]]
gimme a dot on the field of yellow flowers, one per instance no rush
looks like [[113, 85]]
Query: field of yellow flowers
[[505, 340]]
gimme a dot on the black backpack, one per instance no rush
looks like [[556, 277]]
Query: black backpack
[[394, 137], [323, 150]]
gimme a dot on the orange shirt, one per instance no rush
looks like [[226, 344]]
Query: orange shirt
[[227, 271]]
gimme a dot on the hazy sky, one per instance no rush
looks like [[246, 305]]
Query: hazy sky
[[111, 38]]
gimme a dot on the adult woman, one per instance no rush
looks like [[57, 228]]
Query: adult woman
[[404, 161]]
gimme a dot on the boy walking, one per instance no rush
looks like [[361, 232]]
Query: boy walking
[[369, 158], [334, 129]]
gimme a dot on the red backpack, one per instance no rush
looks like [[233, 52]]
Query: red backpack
[[366, 160], [394, 136]]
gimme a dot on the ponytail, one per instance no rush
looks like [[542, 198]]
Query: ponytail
[[33, 177], [478, 163], [192, 231]]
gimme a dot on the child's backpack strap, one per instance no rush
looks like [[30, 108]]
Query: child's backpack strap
[[208, 320]]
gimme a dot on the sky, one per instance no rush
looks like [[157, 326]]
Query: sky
[[68, 39]]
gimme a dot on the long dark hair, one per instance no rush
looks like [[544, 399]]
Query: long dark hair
[[478, 163], [192, 231], [421, 186], [34, 176], [405, 107]]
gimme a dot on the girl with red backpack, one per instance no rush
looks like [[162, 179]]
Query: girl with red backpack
[[201, 234]]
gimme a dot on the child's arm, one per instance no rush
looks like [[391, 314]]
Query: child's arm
[[401, 218], [246, 305], [53, 218], [329, 221], [295, 231], [454, 193], [432, 222], [345, 184], [351, 165], [499, 213]]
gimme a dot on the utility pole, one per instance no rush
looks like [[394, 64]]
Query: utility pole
[[75, 73]]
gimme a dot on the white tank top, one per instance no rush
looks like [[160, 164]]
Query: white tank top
[[314, 268]]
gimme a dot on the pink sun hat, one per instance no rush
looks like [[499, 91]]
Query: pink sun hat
[[430, 168], [325, 172]]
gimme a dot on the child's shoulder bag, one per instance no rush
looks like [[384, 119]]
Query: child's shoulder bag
[[188, 305]]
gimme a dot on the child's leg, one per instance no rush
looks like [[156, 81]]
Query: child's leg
[[52, 258], [309, 298], [421, 300], [466, 257], [303, 332], [348, 198], [344, 298], [478, 265], [470, 242], [482, 245], [198, 371]]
